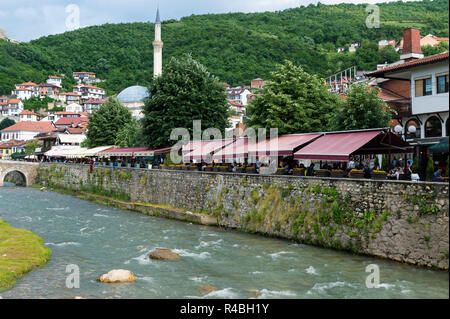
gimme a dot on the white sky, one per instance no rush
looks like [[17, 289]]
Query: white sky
[[25, 20]]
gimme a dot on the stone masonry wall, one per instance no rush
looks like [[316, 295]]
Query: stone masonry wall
[[399, 220]]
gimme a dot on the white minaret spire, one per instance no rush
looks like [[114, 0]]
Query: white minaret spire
[[157, 47]]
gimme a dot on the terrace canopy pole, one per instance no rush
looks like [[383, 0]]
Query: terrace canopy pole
[[389, 154]]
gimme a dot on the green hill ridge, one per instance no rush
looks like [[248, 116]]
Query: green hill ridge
[[235, 47]]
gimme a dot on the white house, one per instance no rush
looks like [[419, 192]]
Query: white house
[[68, 97], [239, 95], [87, 92], [424, 121], [26, 90], [55, 80], [26, 115], [11, 108], [92, 105], [26, 130], [74, 108]]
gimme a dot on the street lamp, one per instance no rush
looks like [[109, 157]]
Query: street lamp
[[399, 130]]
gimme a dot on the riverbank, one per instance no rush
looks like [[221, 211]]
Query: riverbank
[[20, 252], [402, 221]]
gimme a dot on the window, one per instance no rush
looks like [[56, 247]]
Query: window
[[433, 127], [442, 83], [423, 87]]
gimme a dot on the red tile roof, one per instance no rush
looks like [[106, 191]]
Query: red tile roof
[[94, 101], [431, 59], [75, 130], [27, 84], [236, 104], [68, 93], [14, 101], [26, 112], [41, 127], [71, 120], [54, 77]]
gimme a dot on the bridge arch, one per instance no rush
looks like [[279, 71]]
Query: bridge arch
[[24, 172], [15, 176]]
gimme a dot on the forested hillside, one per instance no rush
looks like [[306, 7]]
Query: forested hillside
[[235, 47]]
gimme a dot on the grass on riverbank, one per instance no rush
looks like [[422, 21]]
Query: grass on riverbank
[[20, 252]]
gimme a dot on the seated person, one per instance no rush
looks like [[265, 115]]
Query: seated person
[[437, 176]]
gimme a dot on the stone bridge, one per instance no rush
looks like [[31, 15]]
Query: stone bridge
[[23, 173]]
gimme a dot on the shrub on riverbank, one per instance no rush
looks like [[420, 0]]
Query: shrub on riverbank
[[20, 252]]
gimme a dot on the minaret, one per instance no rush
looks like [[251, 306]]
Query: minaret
[[157, 48]]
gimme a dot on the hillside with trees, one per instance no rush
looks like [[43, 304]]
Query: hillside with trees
[[235, 47]]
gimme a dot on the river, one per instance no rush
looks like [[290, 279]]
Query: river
[[98, 239]]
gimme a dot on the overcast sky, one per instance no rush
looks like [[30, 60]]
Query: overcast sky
[[25, 20]]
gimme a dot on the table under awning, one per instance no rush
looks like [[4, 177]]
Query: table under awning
[[339, 146], [239, 149], [283, 145], [206, 148]]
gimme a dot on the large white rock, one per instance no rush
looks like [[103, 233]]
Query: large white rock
[[117, 276]]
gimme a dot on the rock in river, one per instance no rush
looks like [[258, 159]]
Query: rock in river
[[117, 276], [206, 289], [163, 254]]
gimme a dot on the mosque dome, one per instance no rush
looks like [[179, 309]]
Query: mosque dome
[[133, 94]]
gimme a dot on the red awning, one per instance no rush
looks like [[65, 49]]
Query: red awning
[[123, 151], [283, 145], [238, 149], [340, 146], [206, 148]]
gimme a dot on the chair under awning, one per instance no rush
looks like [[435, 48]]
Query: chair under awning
[[284, 145], [339, 146]]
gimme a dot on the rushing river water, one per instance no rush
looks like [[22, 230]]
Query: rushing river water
[[99, 239]]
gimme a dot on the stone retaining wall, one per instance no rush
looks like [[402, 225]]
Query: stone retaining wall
[[399, 220]]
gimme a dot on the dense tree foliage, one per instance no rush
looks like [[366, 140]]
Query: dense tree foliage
[[293, 101], [106, 122], [6, 122], [128, 136], [363, 109], [430, 50], [236, 47], [185, 92], [35, 104]]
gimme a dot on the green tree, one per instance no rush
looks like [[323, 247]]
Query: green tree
[[439, 48], [293, 101], [384, 163], [35, 103], [388, 55], [30, 148], [106, 122], [128, 136], [430, 168], [7, 122], [186, 91], [364, 109]]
